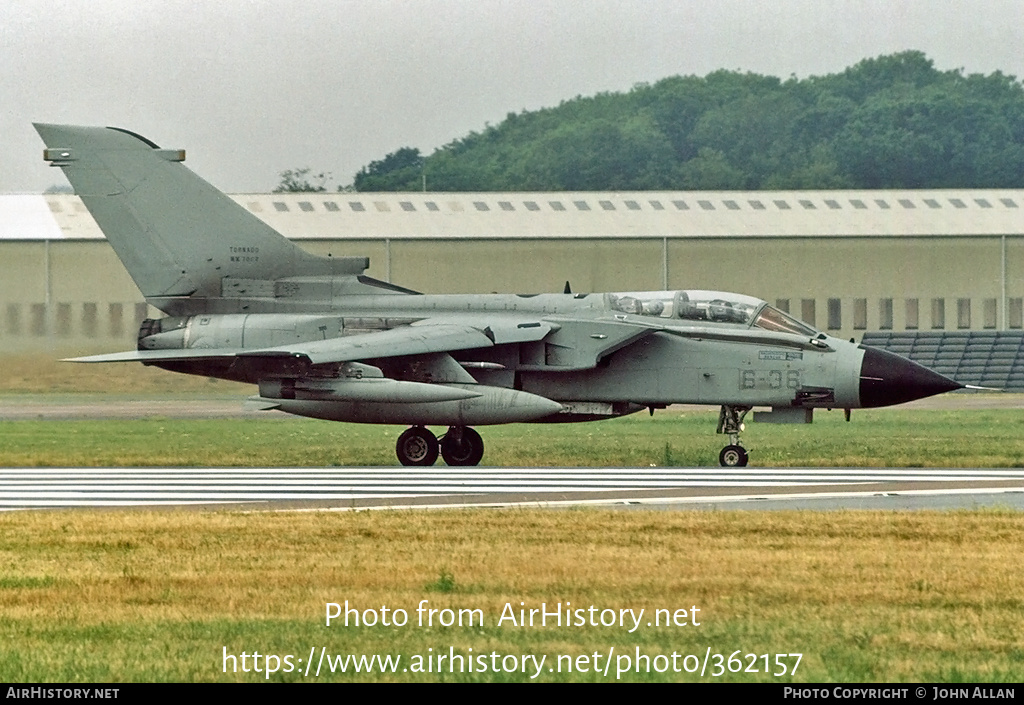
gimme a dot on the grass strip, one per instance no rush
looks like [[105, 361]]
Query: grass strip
[[876, 438]]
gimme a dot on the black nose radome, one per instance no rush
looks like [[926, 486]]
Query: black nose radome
[[887, 379]]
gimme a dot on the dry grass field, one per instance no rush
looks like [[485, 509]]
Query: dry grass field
[[162, 596]]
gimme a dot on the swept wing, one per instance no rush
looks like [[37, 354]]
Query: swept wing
[[422, 338]]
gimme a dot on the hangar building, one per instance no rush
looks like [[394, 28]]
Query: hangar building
[[847, 262]]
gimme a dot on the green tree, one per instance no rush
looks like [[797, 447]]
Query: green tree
[[399, 171], [888, 122], [298, 180], [710, 170]]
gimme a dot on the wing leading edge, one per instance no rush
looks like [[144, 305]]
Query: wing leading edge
[[416, 339]]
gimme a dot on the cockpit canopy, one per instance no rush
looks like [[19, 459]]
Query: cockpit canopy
[[708, 307]]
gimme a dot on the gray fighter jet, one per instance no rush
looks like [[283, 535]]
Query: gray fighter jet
[[321, 339]]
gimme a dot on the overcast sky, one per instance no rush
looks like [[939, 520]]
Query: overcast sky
[[253, 87]]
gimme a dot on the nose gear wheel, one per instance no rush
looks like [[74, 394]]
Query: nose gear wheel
[[730, 421], [733, 457]]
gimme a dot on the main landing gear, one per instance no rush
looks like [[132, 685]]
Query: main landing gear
[[730, 420], [461, 445]]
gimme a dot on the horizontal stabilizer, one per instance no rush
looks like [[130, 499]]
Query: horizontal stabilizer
[[157, 355]]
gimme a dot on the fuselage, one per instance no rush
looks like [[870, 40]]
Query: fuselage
[[598, 355]]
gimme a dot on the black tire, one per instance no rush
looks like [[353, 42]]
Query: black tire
[[733, 457], [469, 450], [417, 446]]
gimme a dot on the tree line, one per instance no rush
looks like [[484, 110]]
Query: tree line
[[888, 122]]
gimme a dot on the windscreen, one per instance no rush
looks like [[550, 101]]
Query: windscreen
[[773, 319]]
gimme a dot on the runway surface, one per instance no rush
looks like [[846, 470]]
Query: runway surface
[[366, 488]]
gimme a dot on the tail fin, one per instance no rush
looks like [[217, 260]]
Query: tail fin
[[175, 233]]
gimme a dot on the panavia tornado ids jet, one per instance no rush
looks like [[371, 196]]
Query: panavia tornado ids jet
[[321, 339]]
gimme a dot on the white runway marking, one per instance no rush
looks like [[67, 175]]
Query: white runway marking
[[22, 488]]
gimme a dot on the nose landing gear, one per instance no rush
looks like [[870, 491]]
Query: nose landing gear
[[730, 421]]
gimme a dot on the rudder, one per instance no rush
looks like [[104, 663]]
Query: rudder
[[176, 234]]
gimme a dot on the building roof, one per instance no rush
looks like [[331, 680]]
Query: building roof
[[676, 214]]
